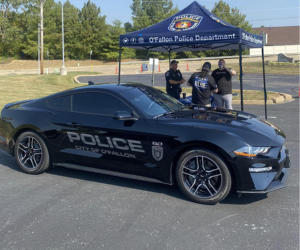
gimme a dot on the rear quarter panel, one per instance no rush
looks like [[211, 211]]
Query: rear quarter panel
[[15, 121]]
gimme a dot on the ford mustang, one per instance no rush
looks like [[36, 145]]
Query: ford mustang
[[135, 131]]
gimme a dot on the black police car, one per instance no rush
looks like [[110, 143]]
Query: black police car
[[136, 131]]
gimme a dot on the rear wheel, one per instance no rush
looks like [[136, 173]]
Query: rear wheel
[[203, 176], [31, 153]]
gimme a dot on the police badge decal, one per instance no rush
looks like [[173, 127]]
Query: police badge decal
[[185, 22], [157, 152]]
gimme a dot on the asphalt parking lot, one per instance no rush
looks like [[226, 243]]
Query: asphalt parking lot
[[69, 209], [279, 83]]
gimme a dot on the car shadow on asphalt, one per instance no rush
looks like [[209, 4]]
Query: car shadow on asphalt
[[172, 191], [245, 199]]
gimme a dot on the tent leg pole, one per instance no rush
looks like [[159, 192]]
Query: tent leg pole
[[119, 76], [241, 78], [264, 76], [169, 57]]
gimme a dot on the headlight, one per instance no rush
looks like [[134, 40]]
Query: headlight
[[252, 151]]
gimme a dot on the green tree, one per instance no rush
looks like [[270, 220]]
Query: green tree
[[231, 15], [52, 29], [83, 30], [110, 43], [128, 27], [10, 31], [93, 29], [72, 32], [149, 12], [146, 13]]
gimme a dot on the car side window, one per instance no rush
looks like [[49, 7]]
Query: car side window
[[61, 103], [98, 103]]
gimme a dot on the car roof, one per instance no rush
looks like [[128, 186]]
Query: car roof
[[108, 87], [114, 87]]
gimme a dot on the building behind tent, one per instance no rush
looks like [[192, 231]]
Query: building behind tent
[[278, 40]]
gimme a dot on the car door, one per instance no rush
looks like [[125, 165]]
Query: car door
[[56, 130], [97, 140]]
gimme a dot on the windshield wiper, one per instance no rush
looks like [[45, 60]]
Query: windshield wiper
[[167, 113]]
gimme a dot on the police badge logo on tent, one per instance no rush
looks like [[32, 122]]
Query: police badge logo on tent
[[157, 153], [185, 22]]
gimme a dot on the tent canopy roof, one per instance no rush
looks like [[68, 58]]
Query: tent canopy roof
[[192, 29]]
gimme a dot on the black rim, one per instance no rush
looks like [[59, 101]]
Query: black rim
[[201, 176], [30, 153]]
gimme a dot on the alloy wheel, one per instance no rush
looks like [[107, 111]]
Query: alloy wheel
[[30, 153], [202, 177]]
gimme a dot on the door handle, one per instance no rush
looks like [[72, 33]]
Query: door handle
[[74, 124]]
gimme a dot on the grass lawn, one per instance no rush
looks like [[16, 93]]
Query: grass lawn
[[26, 87], [248, 94], [256, 68]]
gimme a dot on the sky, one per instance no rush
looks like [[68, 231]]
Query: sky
[[259, 12]]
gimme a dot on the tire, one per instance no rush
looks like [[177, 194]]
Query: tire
[[31, 153], [208, 184]]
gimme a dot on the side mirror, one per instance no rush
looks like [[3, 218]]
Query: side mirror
[[123, 116]]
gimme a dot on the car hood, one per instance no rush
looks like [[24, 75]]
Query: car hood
[[223, 119]]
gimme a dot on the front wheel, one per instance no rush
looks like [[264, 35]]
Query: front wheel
[[203, 176], [31, 153]]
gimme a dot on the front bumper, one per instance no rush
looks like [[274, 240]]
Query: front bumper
[[275, 185], [265, 182]]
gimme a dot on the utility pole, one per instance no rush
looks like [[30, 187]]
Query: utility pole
[[42, 35], [63, 33]]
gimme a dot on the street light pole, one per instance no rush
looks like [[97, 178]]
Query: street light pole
[[91, 60], [42, 35], [39, 54], [63, 70], [48, 61], [63, 34]]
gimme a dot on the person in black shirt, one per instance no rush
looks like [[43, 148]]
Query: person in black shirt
[[202, 84], [174, 79], [223, 76]]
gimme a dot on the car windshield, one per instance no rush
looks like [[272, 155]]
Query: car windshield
[[151, 101]]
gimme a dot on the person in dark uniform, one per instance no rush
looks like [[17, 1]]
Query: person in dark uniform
[[202, 84], [174, 79]]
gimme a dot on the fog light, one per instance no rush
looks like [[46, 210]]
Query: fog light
[[257, 170]]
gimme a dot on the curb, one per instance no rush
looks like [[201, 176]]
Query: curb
[[75, 79], [281, 99], [253, 102]]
